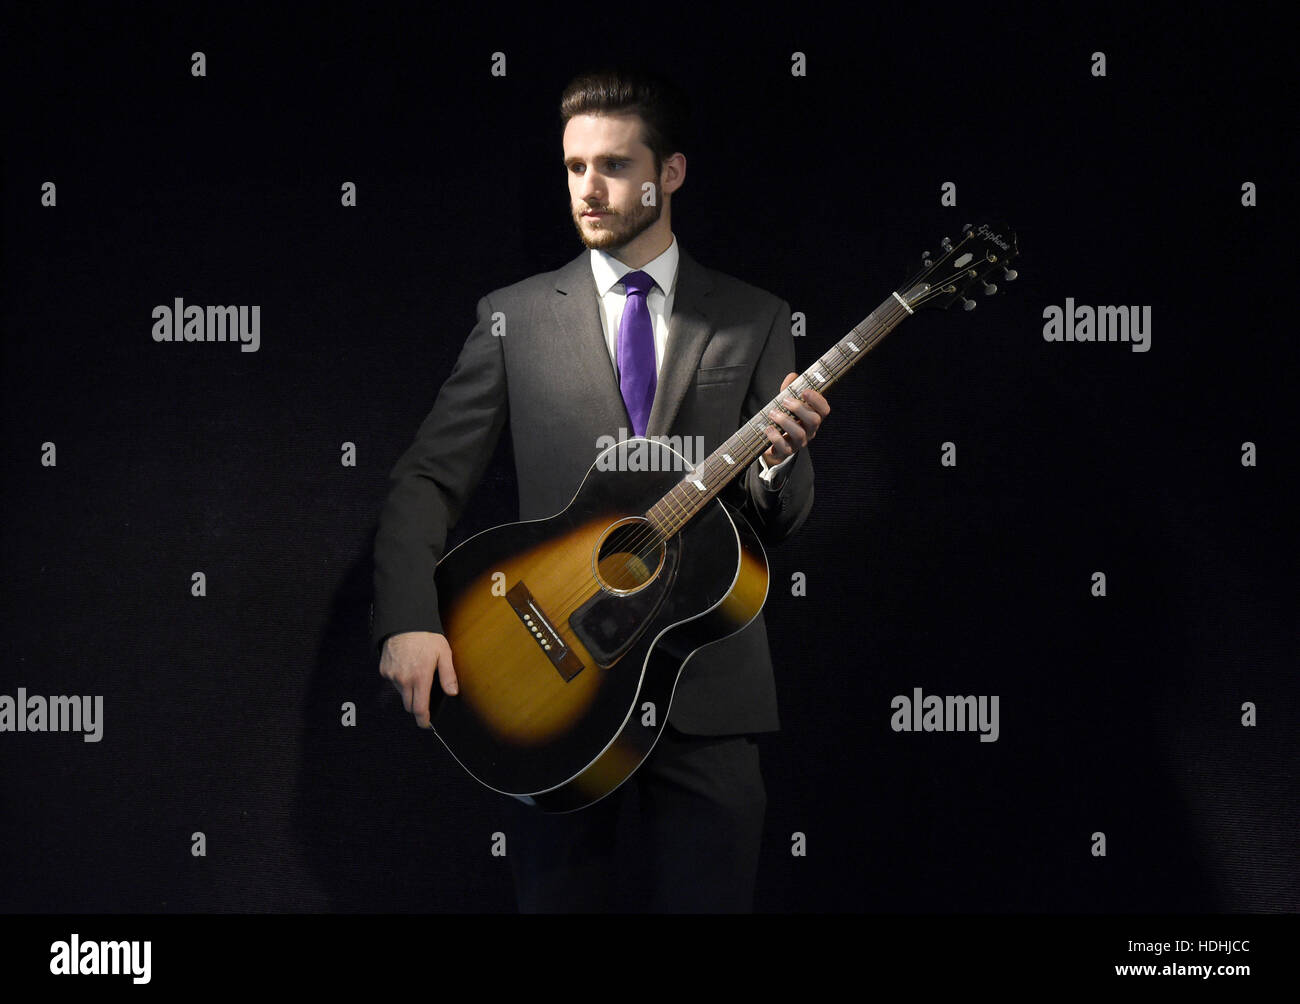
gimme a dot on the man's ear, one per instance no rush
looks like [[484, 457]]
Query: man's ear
[[673, 175]]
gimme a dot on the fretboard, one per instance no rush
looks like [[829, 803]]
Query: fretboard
[[720, 468]]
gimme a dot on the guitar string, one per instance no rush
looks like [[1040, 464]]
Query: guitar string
[[838, 367], [637, 550], [648, 540], [894, 312]]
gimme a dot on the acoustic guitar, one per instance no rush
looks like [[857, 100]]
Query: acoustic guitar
[[569, 633]]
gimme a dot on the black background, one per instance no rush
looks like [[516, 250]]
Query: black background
[[1118, 714]]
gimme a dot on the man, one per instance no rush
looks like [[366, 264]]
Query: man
[[632, 335]]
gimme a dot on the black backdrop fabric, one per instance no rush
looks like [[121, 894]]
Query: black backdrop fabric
[[223, 714]]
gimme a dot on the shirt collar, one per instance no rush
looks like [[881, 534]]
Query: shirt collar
[[608, 270]]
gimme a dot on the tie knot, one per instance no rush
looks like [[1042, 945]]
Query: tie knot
[[637, 282]]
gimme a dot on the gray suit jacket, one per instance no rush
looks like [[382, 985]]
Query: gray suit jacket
[[729, 347]]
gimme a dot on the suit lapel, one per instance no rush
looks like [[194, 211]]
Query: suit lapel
[[689, 329], [576, 308]]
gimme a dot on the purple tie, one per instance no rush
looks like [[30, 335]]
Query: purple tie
[[636, 352]]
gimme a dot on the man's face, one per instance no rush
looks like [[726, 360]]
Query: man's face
[[607, 165]]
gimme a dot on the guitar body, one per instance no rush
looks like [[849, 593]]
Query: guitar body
[[568, 634]]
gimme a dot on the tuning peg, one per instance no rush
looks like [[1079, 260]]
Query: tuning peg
[[946, 244], [989, 288], [967, 304], [1009, 273], [925, 260], [967, 228]]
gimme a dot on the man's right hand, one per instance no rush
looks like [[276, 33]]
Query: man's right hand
[[411, 660]]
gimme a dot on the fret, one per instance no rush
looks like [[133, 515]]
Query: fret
[[720, 468]]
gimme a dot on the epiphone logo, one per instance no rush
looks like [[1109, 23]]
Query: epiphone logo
[[984, 231]]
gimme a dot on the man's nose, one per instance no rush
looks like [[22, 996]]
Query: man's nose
[[592, 188]]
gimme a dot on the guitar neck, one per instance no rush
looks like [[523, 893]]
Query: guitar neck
[[721, 467]]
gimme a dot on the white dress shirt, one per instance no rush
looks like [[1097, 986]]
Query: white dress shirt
[[608, 272]]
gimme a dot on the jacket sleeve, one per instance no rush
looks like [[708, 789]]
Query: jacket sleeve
[[778, 509], [432, 481]]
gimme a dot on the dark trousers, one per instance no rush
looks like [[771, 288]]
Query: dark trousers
[[702, 805]]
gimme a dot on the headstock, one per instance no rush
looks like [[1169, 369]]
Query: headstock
[[976, 262]]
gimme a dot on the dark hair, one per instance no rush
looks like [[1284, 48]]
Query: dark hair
[[661, 104]]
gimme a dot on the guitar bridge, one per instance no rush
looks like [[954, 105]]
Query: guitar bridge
[[521, 601]]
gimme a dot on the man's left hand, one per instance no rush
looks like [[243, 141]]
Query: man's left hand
[[795, 431]]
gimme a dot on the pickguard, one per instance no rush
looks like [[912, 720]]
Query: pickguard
[[610, 623]]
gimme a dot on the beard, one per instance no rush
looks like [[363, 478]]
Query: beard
[[616, 230]]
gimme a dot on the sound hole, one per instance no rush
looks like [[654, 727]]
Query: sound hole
[[629, 555]]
